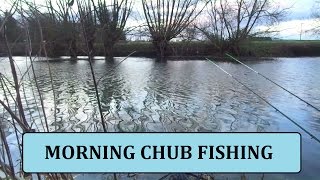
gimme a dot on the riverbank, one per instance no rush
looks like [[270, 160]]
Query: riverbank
[[278, 48]]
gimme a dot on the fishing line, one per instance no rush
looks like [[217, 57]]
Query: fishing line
[[274, 82], [114, 67], [266, 101]]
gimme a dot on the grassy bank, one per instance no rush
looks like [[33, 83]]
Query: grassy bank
[[282, 48], [279, 48]]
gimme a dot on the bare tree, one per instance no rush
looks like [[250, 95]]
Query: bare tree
[[87, 19], [232, 22], [65, 23], [166, 19], [315, 13], [112, 21]]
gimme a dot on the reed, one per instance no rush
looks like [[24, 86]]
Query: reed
[[16, 104], [88, 22]]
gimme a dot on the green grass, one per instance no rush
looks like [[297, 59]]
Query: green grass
[[282, 48]]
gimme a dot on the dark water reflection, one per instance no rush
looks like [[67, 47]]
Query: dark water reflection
[[181, 96]]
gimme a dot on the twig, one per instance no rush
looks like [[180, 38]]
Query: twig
[[23, 126], [6, 146], [15, 78]]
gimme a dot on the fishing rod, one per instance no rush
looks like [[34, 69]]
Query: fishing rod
[[266, 101], [274, 82]]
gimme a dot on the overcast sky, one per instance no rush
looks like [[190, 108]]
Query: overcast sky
[[298, 19]]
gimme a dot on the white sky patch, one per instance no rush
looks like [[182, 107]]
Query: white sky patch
[[294, 28]]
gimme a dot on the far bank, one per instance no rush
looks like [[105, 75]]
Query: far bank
[[276, 48]]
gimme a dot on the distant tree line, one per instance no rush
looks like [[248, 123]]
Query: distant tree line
[[77, 25], [57, 24]]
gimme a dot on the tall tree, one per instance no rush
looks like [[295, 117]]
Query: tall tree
[[234, 21], [14, 29], [42, 24], [87, 19], [112, 16], [166, 19], [65, 23]]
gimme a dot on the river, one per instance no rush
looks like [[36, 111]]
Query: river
[[142, 95]]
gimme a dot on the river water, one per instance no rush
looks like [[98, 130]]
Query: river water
[[142, 95]]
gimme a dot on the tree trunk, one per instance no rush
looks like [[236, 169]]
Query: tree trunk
[[73, 49], [161, 47], [236, 48], [90, 45], [108, 50]]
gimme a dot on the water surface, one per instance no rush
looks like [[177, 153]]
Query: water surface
[[142, 95]]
